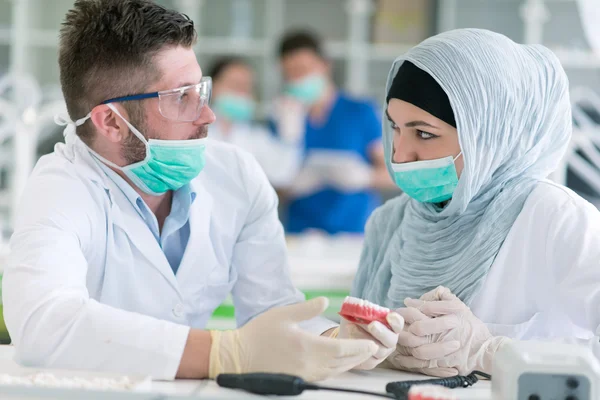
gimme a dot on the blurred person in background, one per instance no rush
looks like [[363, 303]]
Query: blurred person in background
[[234, 105], [233, 98], [343, 167]]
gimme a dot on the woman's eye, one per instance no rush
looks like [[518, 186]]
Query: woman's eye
[[393, 125], [425, 135]]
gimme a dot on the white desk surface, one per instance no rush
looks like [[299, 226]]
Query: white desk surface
[[205, 389]]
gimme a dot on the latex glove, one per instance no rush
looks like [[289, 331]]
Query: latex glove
[[350, 174], [290, 117], [408, 343], [384, 337], [451, 326], [273, 342], [307, 182]]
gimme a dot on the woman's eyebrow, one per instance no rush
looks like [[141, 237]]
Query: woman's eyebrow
[[411, 124]]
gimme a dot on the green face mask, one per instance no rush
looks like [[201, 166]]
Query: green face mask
[[429, 181], [307, 90], [169, 164], [234, 107]]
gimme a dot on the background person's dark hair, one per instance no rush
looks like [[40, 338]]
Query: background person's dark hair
[[300, 40], [107, 48], [221, 64]]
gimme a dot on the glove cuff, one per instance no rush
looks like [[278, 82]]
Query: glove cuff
[[488, 351], [224, 353], [334, 333]]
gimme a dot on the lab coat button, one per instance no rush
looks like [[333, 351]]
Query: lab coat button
[[178, 310]]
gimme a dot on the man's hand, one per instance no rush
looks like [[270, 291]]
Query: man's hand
[[273, 342]]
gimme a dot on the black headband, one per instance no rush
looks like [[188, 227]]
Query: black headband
[[418, 88]]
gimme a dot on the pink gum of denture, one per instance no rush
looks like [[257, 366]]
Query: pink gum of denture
[[430, 392], [361, 311]]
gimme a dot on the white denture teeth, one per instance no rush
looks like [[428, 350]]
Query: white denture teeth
[[352, 300], [365, 303]]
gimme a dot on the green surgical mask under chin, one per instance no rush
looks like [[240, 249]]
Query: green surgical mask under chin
[[169, 164], [429, 181]]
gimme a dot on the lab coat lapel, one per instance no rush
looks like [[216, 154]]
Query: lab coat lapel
[[199, 258], [126, 217]]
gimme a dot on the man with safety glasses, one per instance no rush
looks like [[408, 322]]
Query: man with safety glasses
[[131, 233]]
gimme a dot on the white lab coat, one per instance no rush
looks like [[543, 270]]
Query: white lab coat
[[545, 282], [87, 285], [280, 161]]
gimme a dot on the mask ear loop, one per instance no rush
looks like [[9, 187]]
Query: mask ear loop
[[134, 130], [456, 158]]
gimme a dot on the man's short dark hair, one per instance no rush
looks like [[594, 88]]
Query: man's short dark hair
[[107, 48], [300, 40], [220, 65]]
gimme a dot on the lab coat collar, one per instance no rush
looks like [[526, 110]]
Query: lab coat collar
[[77, 153], [199, 256], [123, 213]]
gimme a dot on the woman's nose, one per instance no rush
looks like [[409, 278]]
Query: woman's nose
[[403, 150]]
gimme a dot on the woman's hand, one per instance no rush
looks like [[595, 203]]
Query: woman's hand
[[412, 347], [444, 333], [384, 337]]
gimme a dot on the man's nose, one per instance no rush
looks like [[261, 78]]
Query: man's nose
[[207, 116]]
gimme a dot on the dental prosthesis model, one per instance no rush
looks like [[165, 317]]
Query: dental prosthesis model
[[363, 312]]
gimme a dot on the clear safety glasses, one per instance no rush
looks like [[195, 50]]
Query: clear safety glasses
[[183, 104]]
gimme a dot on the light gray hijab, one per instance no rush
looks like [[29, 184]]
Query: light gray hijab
[[513, 115]]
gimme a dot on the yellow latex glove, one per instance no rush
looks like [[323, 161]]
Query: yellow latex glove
[[273, 342]]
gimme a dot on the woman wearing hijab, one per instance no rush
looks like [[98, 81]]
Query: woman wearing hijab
[[476, 123]]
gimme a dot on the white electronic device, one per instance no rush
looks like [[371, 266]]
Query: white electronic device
[[529, 370]]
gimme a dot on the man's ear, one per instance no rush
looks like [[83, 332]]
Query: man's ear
[[108, 123]]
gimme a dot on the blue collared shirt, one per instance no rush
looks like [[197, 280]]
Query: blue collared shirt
[[176, 230], [353, 126]]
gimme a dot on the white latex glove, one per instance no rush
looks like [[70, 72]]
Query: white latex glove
[[409, 343], [384, 337], [307, 182], [350, 174], [455, 337], [273, 342], [290, 117]]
